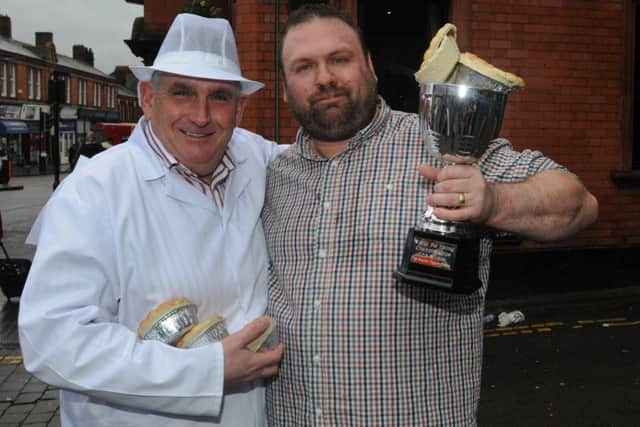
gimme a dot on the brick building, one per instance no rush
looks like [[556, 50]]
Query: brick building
[[89, 97], [578, 57]]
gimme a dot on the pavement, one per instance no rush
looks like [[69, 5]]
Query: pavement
[[573, 361], [24, 400]]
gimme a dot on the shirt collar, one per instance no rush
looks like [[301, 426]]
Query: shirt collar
[[377, 123]]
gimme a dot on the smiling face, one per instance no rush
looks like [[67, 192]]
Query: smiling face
[[193, 118], [329, 82]]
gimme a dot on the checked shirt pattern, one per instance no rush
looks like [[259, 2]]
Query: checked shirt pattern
[[360, 348]]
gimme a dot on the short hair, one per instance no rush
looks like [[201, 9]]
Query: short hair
[[310, 11]]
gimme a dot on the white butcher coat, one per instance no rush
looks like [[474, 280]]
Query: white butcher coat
[[119, 236]]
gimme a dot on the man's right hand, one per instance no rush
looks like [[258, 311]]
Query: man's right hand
[[243, 366]]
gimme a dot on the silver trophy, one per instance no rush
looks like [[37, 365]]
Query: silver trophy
[[457, 123]]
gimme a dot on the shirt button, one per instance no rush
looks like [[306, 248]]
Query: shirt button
[[390, 187], [318, 412], [317, 303], [316, 358], [322, 253], [327, 205]]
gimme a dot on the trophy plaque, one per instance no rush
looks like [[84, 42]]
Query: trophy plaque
[[457, 123]]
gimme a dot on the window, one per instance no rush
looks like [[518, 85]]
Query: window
[[11, 79], [635, 145], [67, 89], [82, 92], [38, 78], [7, 79], [405, 26], [110, 98], [97, 94], [34, 83], [3, 79]]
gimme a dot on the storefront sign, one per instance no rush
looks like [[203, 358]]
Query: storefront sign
[[67, 125], [32, 111], [9, 111]]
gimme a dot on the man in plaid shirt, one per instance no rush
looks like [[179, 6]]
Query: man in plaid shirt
[[361, 348]]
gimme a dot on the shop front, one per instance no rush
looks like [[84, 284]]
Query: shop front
[[12, 133]]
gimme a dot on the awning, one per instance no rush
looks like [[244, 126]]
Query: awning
[[13, 127]]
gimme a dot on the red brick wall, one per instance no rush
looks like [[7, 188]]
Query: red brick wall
[[571, 56], [158, 14], [255, 27]]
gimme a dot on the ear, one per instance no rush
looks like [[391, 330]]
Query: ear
[[145, 94], [370, 64], [284, 90], [243, 100]]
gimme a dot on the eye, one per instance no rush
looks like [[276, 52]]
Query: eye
[[340, 59], [180, 92], [302, 67], [221, 96]]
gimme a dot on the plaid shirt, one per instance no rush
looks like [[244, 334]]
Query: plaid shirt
[[362, 349], [214, 190]]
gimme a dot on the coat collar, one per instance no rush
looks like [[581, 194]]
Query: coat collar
[[151, 168]]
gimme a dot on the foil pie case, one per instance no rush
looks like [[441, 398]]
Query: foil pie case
[[179, 327], [215, 332], [173, 324]]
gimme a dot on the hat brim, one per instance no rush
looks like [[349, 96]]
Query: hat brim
[[247, 87]]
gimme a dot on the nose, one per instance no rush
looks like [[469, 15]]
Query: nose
[[324, 75], [200, 111]]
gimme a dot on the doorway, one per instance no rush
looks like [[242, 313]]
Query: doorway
[[397, 36]]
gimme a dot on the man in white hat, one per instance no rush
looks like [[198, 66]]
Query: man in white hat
[[174, 212]]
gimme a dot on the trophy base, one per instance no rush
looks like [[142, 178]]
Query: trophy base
[[448, 262]]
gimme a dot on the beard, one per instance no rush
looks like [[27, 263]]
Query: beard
[[338, 120]]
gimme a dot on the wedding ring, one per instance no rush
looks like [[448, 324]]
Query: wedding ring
[[461, 198]]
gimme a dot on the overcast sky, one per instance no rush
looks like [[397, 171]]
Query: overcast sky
[[101, 25]]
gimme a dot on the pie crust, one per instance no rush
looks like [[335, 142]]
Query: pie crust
[[197, 329], [256, 344], [441, 56], [481, 66]]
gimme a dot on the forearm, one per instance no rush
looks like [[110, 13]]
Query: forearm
[[79, 349], [551, 205]]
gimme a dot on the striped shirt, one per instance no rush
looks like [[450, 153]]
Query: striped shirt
[[361, 348], [213, 190]]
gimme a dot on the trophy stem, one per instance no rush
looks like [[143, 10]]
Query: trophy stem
[[432, 223]]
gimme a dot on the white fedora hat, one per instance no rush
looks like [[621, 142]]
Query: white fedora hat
[[199, 47]]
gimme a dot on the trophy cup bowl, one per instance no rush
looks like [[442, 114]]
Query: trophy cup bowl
[[457, 123], [458, 120]]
